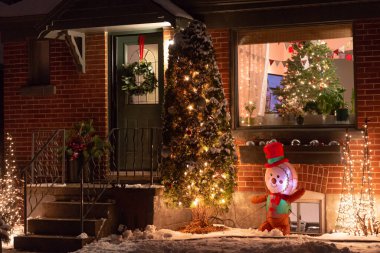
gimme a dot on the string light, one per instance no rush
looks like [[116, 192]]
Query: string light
[[346, 220], [366, 209], [10, 188]]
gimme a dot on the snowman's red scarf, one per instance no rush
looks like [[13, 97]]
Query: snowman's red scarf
[[277, 198]]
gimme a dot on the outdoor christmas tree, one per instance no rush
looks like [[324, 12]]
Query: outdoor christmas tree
[[11, 201], [310, 83], [198, 152], [346, 220]]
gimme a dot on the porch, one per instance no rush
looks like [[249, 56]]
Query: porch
[[64, 199]]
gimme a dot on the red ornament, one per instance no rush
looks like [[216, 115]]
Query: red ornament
[[290, 49], [188, 132], [349, 57]]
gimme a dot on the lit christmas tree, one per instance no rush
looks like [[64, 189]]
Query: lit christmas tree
[[11, 201], [310, 83], [366, 209], [198, 152], [346, 220]]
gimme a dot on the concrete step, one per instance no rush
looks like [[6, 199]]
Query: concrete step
[[71, 209], [67, 227], [50, 243]]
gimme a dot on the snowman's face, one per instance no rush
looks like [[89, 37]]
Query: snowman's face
[[281, 179]]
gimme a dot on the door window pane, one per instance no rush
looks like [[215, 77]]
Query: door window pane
[[132, 54]]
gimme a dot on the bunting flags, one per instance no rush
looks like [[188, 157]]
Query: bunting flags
[[339, 53]]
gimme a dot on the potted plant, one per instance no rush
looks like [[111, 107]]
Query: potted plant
[[330, 100], [83, 145]]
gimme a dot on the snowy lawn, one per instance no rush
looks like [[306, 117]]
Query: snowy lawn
[[230, 240]]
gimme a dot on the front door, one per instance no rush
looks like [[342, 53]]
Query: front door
[[138, 117]]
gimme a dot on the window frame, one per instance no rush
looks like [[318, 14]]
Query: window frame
[[234, 42]]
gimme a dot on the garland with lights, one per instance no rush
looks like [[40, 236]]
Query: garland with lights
[[139, 78], [11, 202], [198, 153], [366, 208], [346, 220]]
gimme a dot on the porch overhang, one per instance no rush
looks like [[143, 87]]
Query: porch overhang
[[110, 15]]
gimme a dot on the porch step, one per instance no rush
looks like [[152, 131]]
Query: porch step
[[50, 243], [59, 225], [71, 209], [67, 227]]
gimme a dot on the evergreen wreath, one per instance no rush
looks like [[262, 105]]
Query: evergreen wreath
[[141, 68]]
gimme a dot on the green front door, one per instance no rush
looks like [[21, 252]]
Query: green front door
[[138, 118]]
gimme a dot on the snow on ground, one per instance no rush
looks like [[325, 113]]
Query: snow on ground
[[228, 241]]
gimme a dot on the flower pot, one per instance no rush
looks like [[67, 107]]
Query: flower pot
[[342, 114], [74, 170]]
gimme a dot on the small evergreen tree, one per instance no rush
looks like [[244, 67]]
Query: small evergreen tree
[[198, 151], [310, 82], [10, 188]]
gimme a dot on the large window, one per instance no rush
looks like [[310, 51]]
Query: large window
[[296, 76]]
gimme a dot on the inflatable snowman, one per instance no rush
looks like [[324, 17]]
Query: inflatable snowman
[[281, 180]]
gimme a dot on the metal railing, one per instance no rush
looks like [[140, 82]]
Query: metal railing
[[134, 154], [44, 170], [134, 151]]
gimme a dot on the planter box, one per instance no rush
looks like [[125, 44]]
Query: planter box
[[295, 154]]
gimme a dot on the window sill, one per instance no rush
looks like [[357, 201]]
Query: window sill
[[295, 154], [38, 90]]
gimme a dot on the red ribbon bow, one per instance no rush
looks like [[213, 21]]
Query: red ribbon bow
[[277, 198], [141, 47]]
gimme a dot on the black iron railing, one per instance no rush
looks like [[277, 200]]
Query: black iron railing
[[133, 155], [44, 170]]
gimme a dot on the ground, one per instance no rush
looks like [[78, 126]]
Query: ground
[[228, 241]]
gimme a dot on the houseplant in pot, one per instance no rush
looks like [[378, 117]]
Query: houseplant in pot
[[330, 100], [82, 146]]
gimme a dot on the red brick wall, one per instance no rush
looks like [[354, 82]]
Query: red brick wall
[[221, 42], [78, 96], [367, 81]]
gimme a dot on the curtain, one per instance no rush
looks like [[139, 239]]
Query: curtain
[[253, 63]]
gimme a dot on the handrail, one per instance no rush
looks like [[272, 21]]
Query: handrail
[[25, 174], [40, 151], [114, 137], [133, 150]]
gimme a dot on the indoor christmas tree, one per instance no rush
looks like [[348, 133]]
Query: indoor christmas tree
[[310, 82], [11, 202], [346, 220], [366, 209], [198, 152]]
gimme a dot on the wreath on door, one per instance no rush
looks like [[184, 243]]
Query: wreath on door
[[138, 77]]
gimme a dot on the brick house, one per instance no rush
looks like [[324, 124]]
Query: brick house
[[81, 81]]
